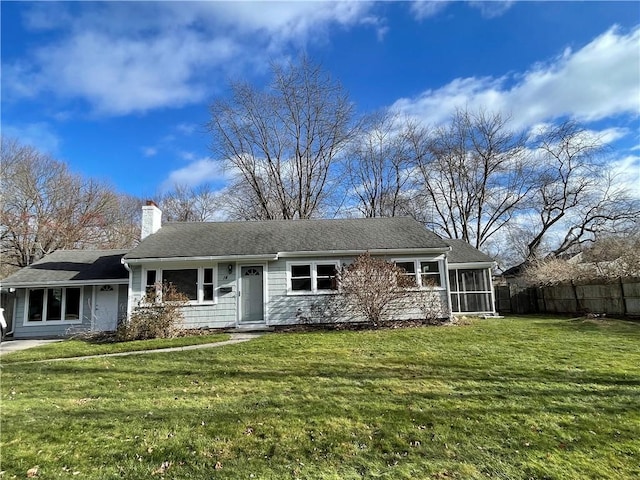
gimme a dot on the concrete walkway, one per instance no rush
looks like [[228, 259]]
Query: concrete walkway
[[235, 338], [7, 346]]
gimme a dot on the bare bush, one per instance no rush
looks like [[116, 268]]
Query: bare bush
[[370, 285], [156, 316], [609, 257]]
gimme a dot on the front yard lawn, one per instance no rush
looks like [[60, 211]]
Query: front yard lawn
[[514, 398], [80, 348]]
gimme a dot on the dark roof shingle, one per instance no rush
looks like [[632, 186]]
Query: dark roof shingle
[[279, 236], [462, 252], [72, 266]]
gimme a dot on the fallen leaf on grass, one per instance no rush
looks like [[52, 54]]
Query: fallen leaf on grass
[[163, 468], [32, 472], [218, 466]]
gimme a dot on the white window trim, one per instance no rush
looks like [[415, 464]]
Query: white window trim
[[314, 277], [45, 305], [200, 275], [418, 272]]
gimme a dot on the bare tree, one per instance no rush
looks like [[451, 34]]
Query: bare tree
[[44, 207], [190, 204], [475, 176], [575, 195], [379, 165], [283, 142]]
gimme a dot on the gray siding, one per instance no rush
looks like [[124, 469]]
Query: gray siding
[[222, 314], [122, 302], [289, 309], [283, 308], [44, 330]]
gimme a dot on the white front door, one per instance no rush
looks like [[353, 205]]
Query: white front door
[[105, 311], [251, 295]]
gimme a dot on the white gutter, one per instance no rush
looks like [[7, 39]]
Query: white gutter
[[471, 265], [62, 283], [378, 251], [210, 258]]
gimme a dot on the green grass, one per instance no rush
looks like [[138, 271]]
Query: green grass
[[80, 348], [503, 398]]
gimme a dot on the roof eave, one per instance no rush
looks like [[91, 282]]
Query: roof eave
[[453, 265], [372, 251], [66, 283], [205, 258]]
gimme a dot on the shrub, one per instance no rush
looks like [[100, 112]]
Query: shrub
[[155, 319], [370, 285]]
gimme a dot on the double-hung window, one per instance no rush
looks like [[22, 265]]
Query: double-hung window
[[312, 277], [430, 274], [197, 284], [409, 270], [59, 304], [422, 273]]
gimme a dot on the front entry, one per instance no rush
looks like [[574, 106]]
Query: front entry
[[106, 309], [251, 295]]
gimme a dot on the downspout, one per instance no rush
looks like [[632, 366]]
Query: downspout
[[448, 285], [13, 316], [129, 288], [493, 292]]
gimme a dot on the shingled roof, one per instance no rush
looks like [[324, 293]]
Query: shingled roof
[[218, 239], [462, 252], [69, 266]]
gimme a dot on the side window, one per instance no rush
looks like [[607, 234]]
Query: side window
[[36, 305], [430, 274], [150, 283], [410, 270], [301, 278], [207, 285], [326, 277], [72, 304]]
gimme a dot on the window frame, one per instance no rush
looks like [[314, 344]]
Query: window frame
[[45, 306], [417, 271], [313, 265], [200, 276]]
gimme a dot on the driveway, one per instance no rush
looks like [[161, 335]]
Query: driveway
[[7, 346]]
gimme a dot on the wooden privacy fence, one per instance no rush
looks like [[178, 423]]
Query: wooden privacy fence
[[615, 297]]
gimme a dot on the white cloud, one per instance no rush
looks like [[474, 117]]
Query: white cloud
[[149, 151], [626, 171], [488, 9], [186, 128], [427, 9], [196, 173], [126, 57], [39, 135], [493, 8], [600, 80]]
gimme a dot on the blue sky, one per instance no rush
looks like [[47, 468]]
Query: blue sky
[[119, 90]]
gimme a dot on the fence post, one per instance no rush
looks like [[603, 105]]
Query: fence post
[[624, 300], [575, 295]]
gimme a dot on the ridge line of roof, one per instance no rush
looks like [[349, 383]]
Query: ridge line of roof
[[290, 220]]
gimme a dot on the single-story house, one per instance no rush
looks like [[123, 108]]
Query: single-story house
[[238, 274]]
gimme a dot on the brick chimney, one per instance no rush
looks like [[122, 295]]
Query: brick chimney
[[151, 219]]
